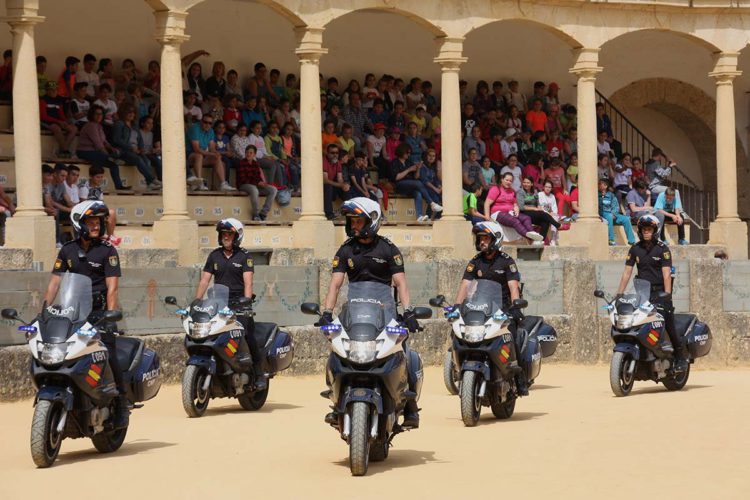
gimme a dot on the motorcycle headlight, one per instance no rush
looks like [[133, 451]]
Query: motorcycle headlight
[[52, 354], [362, 352], [474, 333], [200, 330], [624, 322]]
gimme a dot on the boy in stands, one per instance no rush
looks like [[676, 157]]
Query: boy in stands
[[79, 105], [52, 111], [93, 189]]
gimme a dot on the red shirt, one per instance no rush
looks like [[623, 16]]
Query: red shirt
[[249, 173], [331, 169], [494, 152], [534, 172], [536, 120], [638, 173]]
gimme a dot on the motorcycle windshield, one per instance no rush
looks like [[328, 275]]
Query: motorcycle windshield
[[215, 300], [484, 297], [72, 306], [370, 307], [629, 302]]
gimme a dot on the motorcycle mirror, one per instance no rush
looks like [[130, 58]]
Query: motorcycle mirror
[[436, 301], [11, 314], [599, 294], [520, 304], [310, 308], [111, 316], [423, 312], [172, 301]]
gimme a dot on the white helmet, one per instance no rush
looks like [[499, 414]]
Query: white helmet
[[86, 209], [362, 207], [231, 225], [491, 229], [651, 221]]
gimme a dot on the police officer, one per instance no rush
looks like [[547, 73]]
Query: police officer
[[654, 262], [366, 256], [92, 256], [491, 263], [232, 266]]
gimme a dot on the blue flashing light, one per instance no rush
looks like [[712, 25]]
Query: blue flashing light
[[28, 329], [181, 312], [330, 328], [396, 330]]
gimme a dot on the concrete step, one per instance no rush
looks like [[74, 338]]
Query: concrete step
[[129, 174], [7, 147]]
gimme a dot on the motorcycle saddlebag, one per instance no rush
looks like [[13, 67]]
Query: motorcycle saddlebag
[[699, 340], [281, 352], [147, 377], [547, 339]]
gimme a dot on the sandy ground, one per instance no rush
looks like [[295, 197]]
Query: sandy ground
[[570, 439]]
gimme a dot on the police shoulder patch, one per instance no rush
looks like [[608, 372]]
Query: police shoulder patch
[[249, 262], [470, 267], [58, 264], [513, 268], [113, 260], [666, 255], [398, 259], [351, 263], [336, 262]]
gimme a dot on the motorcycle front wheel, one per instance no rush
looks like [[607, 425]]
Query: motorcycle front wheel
[[619, 379], [449, 374], [194, 398], [471, 403], [45, 440], [359, 439]]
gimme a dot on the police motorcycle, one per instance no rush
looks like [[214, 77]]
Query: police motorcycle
[[642, 348], [486, 363], [75, 387], [219, 363], [368, 371]]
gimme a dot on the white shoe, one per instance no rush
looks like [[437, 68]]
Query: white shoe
[[153, 187], [157, 182], [538, 244], [203, 187], [533, 235], [226, 187], [194, 181], [423, 218], [435, 207]]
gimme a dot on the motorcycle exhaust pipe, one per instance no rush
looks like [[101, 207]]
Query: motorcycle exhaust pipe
[[482, 388], [347, 426], [61, 424], [374, 426]]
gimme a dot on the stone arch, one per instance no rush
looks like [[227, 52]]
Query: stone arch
[[694, 112], [379, 6], [549, 28], [277, 7], [616, 34]]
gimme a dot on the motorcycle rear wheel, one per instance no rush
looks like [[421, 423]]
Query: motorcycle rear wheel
[[379, 450], [108, 442], [619, 380], [359, 439], [471, 404], [194, 399], [253, 401], [503, 410], [449, 374], [45, 440], [677, 382]]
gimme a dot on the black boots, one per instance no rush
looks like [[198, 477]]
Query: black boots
[[122, 413], [521, 384], [411, 415]]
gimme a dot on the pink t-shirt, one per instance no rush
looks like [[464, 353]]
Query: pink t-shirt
[[503, 200], [555, 176]]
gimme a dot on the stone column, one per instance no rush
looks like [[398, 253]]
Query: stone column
[[30, 227], [175, 229], [451, 229], [312, 230], [588, 231], [728, 229]]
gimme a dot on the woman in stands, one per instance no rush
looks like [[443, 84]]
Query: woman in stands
[[123, 132], [94, 147], [406, 177], [528, 200], [502, 205]]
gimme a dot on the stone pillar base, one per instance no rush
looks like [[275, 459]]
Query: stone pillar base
[[36, 232], [732, 235], [589, 234], [320, 235], [182, 235], [455, 234]]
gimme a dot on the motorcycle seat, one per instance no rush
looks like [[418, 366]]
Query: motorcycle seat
[[128, 349], [683, 323], [263, 332]]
